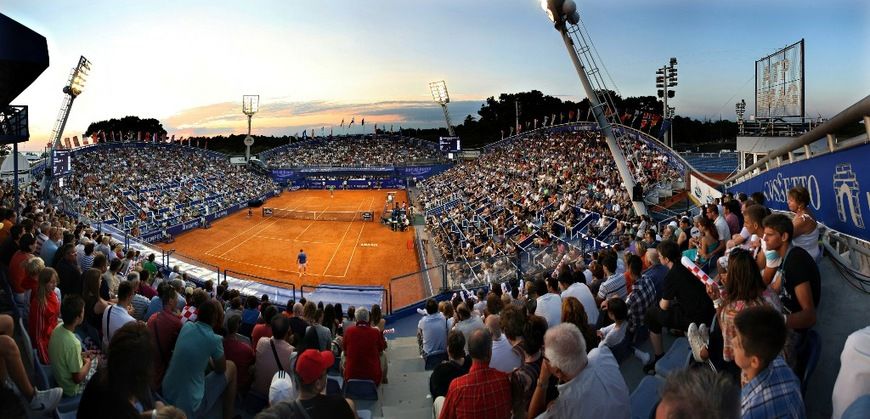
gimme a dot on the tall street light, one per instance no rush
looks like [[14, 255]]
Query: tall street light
[[250, 106], [666, 77], [564, 13]]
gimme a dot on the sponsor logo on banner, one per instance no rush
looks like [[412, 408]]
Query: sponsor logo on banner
[[833, 181], [702, 193]]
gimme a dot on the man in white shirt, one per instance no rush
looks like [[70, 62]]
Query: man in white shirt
[[118, 315], [549, 303], [582, 293], [593, 386], [504, 357], [712, 212]]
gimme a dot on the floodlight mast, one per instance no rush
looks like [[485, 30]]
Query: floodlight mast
[[74, 87], [562, 13], [250, 106], [441, 97]]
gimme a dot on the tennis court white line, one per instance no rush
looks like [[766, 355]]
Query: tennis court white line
[[347, 268], [271, 268], [249, 238], [338, 246], [262, 220], [293, 241]]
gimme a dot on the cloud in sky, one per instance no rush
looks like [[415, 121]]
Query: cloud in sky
[[282, 117]]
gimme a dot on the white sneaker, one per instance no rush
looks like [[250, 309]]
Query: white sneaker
[[45, 401], [642, 356], [695, 341], [704, 333]]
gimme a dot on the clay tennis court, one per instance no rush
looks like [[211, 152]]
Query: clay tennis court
[[339, 252]]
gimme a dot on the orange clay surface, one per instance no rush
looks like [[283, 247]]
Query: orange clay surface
[[346, 253]]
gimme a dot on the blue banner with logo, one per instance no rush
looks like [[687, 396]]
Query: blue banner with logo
[[834, 182]]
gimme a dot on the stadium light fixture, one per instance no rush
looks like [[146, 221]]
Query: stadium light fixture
[[564, 13], [441, 97], [250, 106], [78, 77]]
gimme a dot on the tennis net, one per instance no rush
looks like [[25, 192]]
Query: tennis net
[[318, 215]]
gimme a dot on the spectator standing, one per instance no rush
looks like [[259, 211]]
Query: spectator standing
[[525, 378], [468, 322], [164, 326], [185, 384], [117, 315], [483, 392], [806, 229], [432, 335], [363, 345], [581, 292], [549, 303], [273, 354], [457, 365], [504, 357], [50, 246], [44, 311], [238, 349]]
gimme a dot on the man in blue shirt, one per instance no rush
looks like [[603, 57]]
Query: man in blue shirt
[[187, 383], [432, 335], [770, 388], [302, 260]]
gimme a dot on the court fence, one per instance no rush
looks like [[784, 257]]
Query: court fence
[[276, 296]]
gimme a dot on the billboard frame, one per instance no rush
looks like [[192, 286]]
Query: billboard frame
[[803, 104]]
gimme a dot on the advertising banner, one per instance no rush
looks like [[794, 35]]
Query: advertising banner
[[701, 192], [834, 183], [779, 83]]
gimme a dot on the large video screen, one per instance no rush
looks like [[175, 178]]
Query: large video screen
[[61, 163], [779, 83]]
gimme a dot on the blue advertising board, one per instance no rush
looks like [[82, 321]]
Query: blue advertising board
[[834, 182]]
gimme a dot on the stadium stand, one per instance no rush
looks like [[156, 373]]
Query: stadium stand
[[722, 162], [354, 151]]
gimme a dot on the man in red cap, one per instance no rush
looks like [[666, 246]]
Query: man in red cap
[[311, 367]]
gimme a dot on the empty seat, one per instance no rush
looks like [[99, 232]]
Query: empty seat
[[676, 358], [364, 393], [645, 397]]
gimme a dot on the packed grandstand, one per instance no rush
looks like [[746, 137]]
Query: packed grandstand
[[537, 232]]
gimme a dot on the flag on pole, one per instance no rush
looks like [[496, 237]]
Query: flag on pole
[[664, 128], [578, 114], [84, 140], [172, 139], [625, 117], [561, 117], [512, 132], [570, 116], [351, 121], [546, 118], [139, 136], [536, 123], [66, 141], [553, 120], [502, 134], [634, 120], [112, 136], [342, 123], [102, 137], [363, 122], [76, 141], [645, 120]]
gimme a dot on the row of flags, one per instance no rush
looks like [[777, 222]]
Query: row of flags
[[648, 120], [118, 136]]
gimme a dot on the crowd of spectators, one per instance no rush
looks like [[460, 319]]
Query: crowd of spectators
[[528, 184], [156, 184], [571, 325], [355, 151]]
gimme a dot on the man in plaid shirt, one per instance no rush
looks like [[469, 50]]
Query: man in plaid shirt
[[770, 388], [642, 297], [482, 393]]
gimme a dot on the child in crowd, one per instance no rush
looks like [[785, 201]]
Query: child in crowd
[[770, 388]]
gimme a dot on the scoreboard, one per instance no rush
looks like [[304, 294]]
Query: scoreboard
[[61, 163], [448, 144]]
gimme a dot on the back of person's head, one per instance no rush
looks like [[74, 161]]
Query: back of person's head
[[376, 314], [298, 309], [130, 361], [269, 313], [309, 311], [533, 334], [762, 333], [234, 321], [168, 296], [744, 278], [133, 276], [635, 265], [494, 304], [758, 198], [492, 323], [71, 307], [565, 348], [199, 297], [25, 242], [91, 279], [431, 306], [754, 213], [89, 248], [574, 312], [699, 393], [669, 249], [480, 344], [540, 286], [463, 311], [236, 303], [34, 266], [781, 224], [713, 208], [125, 291], [361, 314], [280, 327], [616, 306], [610, 262], [251, 302], [512, 320], [456, 344], [210, 313]]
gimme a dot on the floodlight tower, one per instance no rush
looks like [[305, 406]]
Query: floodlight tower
[[74, 86], [77, 78], [666, 77], [740, 108], [441, 97], [250, 106], [563, 13]]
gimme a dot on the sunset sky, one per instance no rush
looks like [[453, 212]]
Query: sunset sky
[[313, 63]]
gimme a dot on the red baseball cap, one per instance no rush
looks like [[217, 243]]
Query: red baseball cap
[[312, 363]]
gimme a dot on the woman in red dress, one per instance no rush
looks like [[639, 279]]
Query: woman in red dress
[[44, 309]]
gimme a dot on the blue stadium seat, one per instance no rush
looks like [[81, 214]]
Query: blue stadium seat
[[364, 393], [676, 358], [645, 397], [333, 385], [364, 414]]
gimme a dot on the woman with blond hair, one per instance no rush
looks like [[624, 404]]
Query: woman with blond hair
[[44, 310]]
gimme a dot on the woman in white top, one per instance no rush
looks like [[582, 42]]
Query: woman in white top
[[806, 229]]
